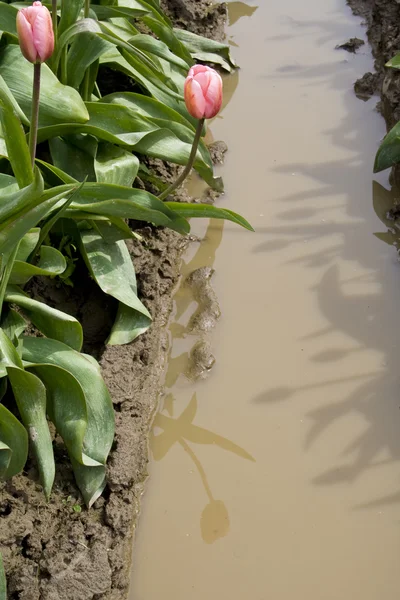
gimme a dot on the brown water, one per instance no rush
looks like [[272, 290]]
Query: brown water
[[278, 477]]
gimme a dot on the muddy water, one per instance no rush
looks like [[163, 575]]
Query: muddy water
[[278, 475]]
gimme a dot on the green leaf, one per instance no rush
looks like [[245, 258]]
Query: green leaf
[[30, 396], [86, 48], [115, 165], [50, 321], [3, 582], [206, 50], [188, 210], [66, 406], [16, 226], [148, 44], [13, 447], [73, 160], [100, 428], [58, 103], [109, 12], [17, 147], [394, 62], [27, 244], [12, 202], [112, 268], [51, 263], [8, 18], [70, 11], [127, 203], [128, 325], [13, 325], [389, 151], [111, 230]]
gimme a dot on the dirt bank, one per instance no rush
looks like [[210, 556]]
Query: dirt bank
[[59, 550], [383, 29]]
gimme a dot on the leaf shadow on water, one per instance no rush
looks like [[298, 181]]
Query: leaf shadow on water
[[368, 319], [214, 521]]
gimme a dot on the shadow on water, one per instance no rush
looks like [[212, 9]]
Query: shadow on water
[[369, 316]]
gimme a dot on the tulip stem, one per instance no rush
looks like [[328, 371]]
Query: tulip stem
[[35, 112], [86, 95], [54, 18], [87, 8], [189, 165]]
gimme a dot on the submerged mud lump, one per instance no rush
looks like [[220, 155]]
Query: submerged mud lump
[[201, 360], [208, 312]]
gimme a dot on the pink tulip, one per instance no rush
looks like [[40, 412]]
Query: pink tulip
[[35, 32], [203, 92]]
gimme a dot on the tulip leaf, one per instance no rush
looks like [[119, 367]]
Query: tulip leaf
[[128, 325], [127, 203], [99, 434], [206, 50], [394, 62], [112, 268], [50, 321], [8, 18], [30, 396], [111, 229], [58, 103], [150, 45], [17, 147], [70, 11], [86, 48], [115, 165], [13, 446], [188, 210], [51, 263], [109, 12], [389, 151], [13, 326]]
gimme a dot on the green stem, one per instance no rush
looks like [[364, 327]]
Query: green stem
[[6, 276], [189, 165], [85, 86], [35, 112], [54, 18]]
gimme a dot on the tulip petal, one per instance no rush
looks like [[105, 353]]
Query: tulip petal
[[25, 36], [43, 37], [203, 79], [195, 102], [214, 96]]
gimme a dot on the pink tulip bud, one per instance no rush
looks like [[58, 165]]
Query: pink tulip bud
[[203, 92], [35, 33]]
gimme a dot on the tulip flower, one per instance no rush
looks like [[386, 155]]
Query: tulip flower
[[35, 33], [36, 39], [203, 92], [203, 99]]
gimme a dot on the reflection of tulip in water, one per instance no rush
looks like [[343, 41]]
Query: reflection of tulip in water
[[35, 32], [214, 521]]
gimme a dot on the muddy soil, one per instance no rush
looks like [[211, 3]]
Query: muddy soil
[[59, 550], [383, 29]]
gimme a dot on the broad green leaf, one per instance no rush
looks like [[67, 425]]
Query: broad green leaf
[[77, 28], [72, 159], [66, 406], [128, 325], [15, 227], [50, 321], [53, 175], [206, 50], [70, 11], [389, 151], [30, 396], [51, 263], [28, 244], [112, 231], [188, 210], [17, 109], [58, 103], [86, 48], [12, 202], [150, 45], [17, 147], [13, 325], [120, 125], [168, 36], [8, 184], [394, 62], [112, 268], [115, 165], [8, 18], [13, 445], [100, 429], [127, 203], [3, 582], [109, 12]]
